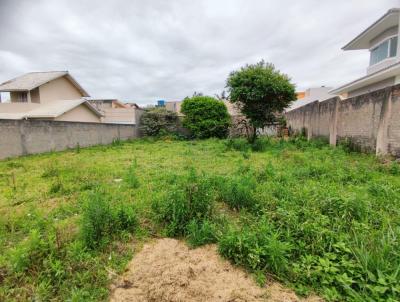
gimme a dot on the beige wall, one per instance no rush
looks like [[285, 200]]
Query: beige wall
[[17, 107], [21, 137], [119, 115], [80, 113], [58, 89]]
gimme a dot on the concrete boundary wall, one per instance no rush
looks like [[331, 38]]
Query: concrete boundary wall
[[370, 121], [22, 137]]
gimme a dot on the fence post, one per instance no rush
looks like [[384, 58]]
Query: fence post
[[333, 123], [383, 127]]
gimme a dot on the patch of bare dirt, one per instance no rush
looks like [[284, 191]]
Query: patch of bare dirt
[[167, 270]]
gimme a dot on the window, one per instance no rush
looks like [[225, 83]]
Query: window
[[384, 50]]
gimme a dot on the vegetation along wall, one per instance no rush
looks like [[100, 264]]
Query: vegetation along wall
[[369, 122], [22, 137]]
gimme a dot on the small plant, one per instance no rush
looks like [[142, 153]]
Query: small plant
[[131, 178], [116, 142], [51, 171], [56, 187], [201, 232]]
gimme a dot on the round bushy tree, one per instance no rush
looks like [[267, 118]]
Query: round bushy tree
[[205, 117], [158, 121], [261, 92]]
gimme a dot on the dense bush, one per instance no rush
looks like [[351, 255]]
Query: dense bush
[[205, 117], [191, 198], [158, 121]]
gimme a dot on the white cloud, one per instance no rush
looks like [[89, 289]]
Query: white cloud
[[146, 50]]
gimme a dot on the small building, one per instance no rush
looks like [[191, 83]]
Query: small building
[[381, 39], [116, 112], [174, 106], [311, 95], [53, 95]]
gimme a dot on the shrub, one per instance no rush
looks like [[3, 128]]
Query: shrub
[[205, 117], [191, 198], [158, 121], [101, 219]]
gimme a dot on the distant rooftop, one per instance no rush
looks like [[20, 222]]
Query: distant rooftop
[[32, 80]]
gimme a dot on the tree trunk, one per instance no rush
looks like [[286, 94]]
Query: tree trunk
[[253, 136]]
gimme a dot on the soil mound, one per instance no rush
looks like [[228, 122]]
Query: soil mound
[[167, 270]]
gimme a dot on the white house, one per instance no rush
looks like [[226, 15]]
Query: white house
[[381, 39]]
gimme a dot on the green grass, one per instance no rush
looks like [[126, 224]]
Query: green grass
[[314, 217]]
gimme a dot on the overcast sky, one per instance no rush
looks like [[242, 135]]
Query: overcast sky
[[166, 49]]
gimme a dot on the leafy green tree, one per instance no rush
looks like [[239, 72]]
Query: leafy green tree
[[260, 91], [205, 117]]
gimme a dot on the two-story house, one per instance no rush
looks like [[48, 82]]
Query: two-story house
[[381, 39], [53, 95]]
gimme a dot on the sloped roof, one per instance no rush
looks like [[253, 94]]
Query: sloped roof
[[32, 80], [57, 108], [50, 110], [390, 19], [12, 116]]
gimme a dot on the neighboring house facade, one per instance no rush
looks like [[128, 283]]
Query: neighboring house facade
[[381, 39], [174, 106], [116, 112], [311, 95], [53, 95]]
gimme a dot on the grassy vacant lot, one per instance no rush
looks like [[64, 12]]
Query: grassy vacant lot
[[316, 218]]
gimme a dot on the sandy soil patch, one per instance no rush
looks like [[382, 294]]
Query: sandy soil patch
[[167, 270]]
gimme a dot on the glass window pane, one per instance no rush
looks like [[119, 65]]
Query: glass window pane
[[393, 47], [379, 53]]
